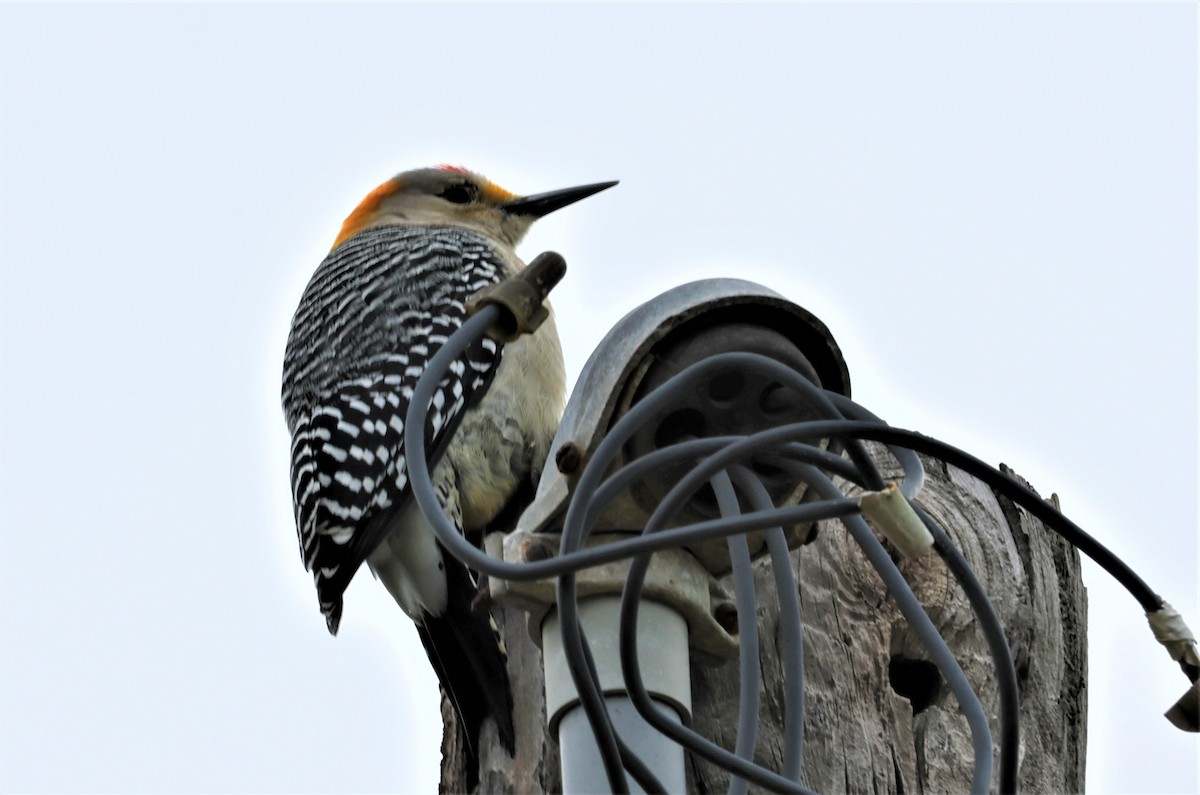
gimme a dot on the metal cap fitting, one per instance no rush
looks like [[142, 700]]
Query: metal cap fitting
[[654, 342]]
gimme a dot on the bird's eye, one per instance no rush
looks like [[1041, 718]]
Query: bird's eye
[[460, 193]]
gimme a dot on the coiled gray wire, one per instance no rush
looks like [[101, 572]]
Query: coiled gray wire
[[719, 462]]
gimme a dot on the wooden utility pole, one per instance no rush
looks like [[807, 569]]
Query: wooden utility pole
[[878, 716]]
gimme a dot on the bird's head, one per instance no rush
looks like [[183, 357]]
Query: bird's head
[[455, 196]]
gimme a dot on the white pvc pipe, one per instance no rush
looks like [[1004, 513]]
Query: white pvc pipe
[[663, 658], [582, 770]]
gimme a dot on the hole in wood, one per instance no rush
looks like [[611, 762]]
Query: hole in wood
[[916, 680]]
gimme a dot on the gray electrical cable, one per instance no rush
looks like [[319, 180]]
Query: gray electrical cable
[[583, 674], [747, 613], [790, 626], [993, 634]]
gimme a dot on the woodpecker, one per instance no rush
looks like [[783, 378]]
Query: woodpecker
[[386, 297]]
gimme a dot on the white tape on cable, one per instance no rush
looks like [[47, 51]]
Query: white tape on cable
[[895, 518], [1171, 631]]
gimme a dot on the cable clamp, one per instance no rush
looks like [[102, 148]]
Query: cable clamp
[[890, 512], [1170, 630], [521, 297]]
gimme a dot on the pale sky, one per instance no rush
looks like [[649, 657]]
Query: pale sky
[[994, 209]]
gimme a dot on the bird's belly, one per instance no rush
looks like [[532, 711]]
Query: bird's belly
[[507, 437]]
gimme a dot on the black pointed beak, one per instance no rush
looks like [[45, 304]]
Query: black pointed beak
[[546, 203]]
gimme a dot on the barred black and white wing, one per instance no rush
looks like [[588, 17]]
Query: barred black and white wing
[[376, 310]]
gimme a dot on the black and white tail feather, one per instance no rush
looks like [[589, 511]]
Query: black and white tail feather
[[376, 310]]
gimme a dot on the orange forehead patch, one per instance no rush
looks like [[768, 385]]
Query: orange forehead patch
[[495, 194], [366, 208]]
